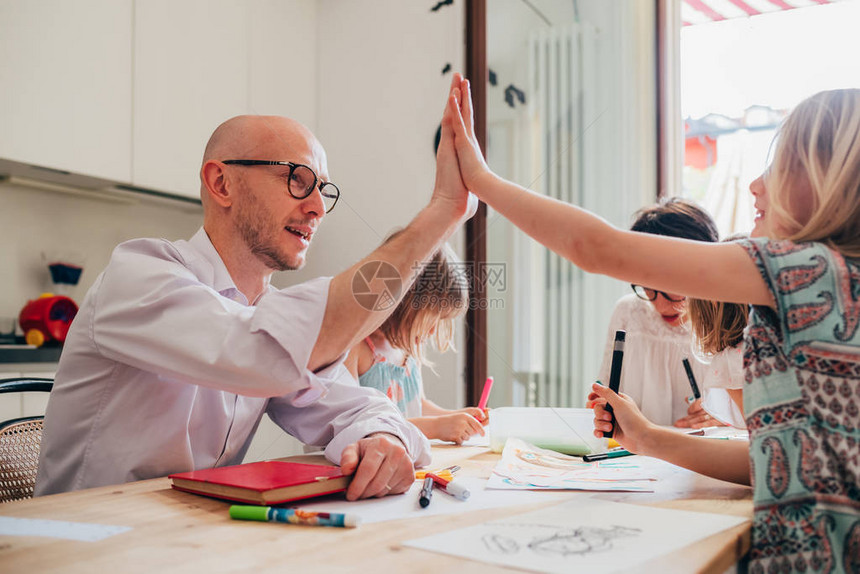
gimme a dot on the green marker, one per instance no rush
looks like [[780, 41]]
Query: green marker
[[293, 516]]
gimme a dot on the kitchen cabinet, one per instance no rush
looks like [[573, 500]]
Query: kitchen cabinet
[[200, 62], [65, 68], [130, 90], [190, 73]]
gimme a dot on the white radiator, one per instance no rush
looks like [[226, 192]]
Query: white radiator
[[561, 98]]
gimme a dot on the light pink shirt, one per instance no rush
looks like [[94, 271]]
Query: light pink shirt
[[167, 368]]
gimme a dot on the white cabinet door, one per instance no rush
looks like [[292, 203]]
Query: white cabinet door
[[283, 59], [65, 72], [190, 74]]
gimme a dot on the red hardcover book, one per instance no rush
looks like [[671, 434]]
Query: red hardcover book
[[264, 483]]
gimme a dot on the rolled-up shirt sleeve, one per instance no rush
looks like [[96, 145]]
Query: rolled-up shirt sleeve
[[152, 312], [344, 415]]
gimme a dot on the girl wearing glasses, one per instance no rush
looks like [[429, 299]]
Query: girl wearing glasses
[[658, 333]]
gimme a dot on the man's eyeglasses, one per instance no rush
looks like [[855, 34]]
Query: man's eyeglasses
[[302, 180], [651, 294]]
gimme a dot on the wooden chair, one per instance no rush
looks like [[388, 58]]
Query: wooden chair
[[20, 439]]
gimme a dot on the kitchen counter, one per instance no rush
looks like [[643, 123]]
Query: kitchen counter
[[29, 354]]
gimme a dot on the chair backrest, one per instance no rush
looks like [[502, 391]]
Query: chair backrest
[[20, 439]]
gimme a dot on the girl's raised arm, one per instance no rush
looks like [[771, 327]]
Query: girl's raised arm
[[721, 272]]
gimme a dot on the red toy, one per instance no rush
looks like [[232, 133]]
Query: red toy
[[47, 318]]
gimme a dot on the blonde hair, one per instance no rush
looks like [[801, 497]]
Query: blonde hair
[[716, 325], [438, 296], [818, 153]]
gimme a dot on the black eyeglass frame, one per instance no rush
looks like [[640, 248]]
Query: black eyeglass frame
[[293, 166], [656, 292]]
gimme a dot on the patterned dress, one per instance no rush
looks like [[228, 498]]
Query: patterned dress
[[400, 384], [801, 397]]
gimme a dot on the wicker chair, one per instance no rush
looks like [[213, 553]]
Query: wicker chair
[[20, 439]]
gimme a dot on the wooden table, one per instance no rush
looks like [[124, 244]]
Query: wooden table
[[178, 532]]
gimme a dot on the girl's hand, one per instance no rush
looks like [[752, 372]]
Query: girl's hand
[[477, 413], [457, 427], [697, 417], [472, 164], [449, 188], [631, 426]]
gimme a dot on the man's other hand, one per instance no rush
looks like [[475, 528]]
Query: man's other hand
[[381, 466]]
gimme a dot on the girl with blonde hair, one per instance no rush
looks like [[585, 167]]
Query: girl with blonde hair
[[802, 346], [390, 359]]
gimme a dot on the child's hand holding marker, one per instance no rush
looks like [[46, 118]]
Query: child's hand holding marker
[[631, 427], [697, 417], [479, 414]]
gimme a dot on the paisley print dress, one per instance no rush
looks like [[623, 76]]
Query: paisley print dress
[[802, 407]]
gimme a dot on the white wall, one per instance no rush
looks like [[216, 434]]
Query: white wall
[[33, 222], [380, 98], [619, 140]]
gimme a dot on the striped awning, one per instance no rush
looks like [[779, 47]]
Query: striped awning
[[705, 11]]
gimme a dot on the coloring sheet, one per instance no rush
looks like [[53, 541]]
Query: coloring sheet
[[584, 535], [524, 466]]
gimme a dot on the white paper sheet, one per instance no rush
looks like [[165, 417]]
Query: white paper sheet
[[83, 531], [474, 440], [585, 535], [406, 505], [524, 466]]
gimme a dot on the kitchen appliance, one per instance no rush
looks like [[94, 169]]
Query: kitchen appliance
[[47, 319]]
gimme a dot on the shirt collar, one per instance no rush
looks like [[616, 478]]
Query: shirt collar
[[221, 280]]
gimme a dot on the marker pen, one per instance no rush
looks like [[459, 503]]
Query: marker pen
[[485, 394], [444, 473], [426, 492], [455, 489], [293, 516], [692, 379], [606, 455], [615, 373]]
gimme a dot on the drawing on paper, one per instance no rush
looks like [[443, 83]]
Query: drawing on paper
[[527, 467], [558, 541]]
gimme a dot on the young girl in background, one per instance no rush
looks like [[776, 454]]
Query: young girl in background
[[802, 348], [390, 359], [658, 333]]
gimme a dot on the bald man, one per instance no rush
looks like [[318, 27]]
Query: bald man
[[179, 348]]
